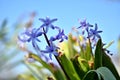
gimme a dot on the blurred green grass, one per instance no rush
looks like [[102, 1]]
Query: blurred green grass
[[11, 57]]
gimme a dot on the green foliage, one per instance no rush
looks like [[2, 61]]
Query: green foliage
[[101, 73], [67, 65], [71, 49], [98, 55], [105, 73], [75, 61], [83, 68], [102, 59], [107, 62], [77, 67]]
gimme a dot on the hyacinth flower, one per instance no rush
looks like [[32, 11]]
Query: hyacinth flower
[[52, 49], [47, 23], [94, 33], [60, 36], [30, 35], [53, 38], [85, 26]]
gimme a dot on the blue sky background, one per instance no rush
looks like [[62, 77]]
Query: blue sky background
[[106, 13]]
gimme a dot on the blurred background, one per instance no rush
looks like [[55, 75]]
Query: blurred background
[[16, 15]]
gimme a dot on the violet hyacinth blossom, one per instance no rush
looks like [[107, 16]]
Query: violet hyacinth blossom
[[94, 33], [84, 25], [47, 23], [60, 36], [30, 35], [52, 49]]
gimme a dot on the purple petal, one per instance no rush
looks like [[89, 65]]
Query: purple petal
[[33, 43], [38, 40], [61, 40], [79, 27], [43, 20], [23, 38], [42, 25], [93, 38], [91, 30], [83, 32], [44, 51], [99, 31], [52, 39], [98, 35], [65, 37], [96, 27], [52, 27], [50, 55], [55, 53], [53, 20], [39, 34]]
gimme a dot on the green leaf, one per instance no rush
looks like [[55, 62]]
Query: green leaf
[[98, 55], [34, 73], [103, 60], [119, 46], [107, 62], [56, 72], [59, 75], [108, 45], [71, 49], [37, 58], [78, 67], [106, 73], [84, 64], [88, 54], [68, 67], [92, 75], [85, 52], [101, 73]]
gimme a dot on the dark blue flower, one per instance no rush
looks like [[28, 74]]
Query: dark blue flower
[[94, 33], [47, 23], [52, 49], [84, 25], [30, 35]]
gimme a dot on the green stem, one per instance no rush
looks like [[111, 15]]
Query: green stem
[[56, 56], [90, 46], [79, 43]]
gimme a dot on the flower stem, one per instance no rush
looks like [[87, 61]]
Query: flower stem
[[90, 45], [56, 56]]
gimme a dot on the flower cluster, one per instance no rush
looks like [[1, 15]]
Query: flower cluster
[[32, 34], [85, 26], [92, 34]]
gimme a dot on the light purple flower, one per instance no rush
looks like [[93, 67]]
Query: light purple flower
[[84, 25], [94, 33], [52, 49], [47, 23], [30, 35], [60, 36]]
